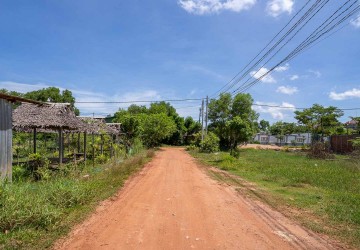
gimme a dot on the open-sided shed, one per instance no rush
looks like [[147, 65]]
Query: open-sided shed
[[47, 116]]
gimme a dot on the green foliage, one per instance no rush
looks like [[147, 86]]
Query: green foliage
[[264, 126], [191, 148], [326, 190], [101, 159], [156, 127], [158, 124], [50, 94], [34, 214], [232, 119], [356, 143], [286, 128], [318, 119], [210, 143]]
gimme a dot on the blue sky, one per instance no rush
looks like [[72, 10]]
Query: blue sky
[[165, 49]]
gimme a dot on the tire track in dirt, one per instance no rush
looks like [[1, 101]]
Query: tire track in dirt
[[173, 204]]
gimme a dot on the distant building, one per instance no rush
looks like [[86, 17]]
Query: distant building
[[291, 139], [351, 124]]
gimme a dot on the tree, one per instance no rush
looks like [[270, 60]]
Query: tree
[[135, 109], [50, 94], [131, 127], [264, 126], [155, 128], [318, 119], [232, 119], [192, 127], [53, 94]]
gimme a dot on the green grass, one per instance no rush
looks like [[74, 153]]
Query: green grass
[[324, 193], [35, 214]]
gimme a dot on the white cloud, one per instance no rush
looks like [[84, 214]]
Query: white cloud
[[262, 71], [271, 108], [294, 77], [356, 22], [317, 73], [277, 7], [89, 96], [21, 87], [201, 7], [282, 68], [354, 93], [203, 70], [287, 90]]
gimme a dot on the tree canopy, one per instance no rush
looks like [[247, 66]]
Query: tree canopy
[[232, 119], [320, 120], [50, 94]]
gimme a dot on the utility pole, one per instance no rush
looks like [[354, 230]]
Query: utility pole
[[199, 114], [206, 115], [202, 120]]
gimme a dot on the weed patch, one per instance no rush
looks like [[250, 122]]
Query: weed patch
[[34, 214], [328, 190]]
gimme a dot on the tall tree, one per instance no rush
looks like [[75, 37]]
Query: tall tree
[[318, 119], [264, 126], [232, 119], [191, 127]]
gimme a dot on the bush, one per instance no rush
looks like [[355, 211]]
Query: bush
[[320, 150], [210, 143], [191, 148], [256, 142], [235, 153], [101, 159]]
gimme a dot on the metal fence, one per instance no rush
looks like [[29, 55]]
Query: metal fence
[[341, 143]]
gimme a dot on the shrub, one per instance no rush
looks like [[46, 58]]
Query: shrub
[[256, 142], [320, 150], [191, 148], [101, 159], [235, 153], [210, 143]]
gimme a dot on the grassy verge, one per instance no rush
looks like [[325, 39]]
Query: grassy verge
[[35, 214], [323, 195]]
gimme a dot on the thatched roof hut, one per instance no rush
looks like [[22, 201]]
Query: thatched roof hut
[[46, 116], [97, 127]]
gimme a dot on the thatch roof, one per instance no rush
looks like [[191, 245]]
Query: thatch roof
[[97, 127], [45, 116]]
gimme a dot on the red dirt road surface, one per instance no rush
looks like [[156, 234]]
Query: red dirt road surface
[[174, 204]]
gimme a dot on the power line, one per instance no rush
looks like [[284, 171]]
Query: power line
[[302, 19], [140, 101], [313, 37], [266, 46]]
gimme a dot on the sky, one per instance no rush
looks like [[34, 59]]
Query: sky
[[172, 49]]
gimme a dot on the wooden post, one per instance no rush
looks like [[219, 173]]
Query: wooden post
[[101, 144], [61, 146], [34, 142], [93, 149], [5, 141], [85, 146], [78, 143]]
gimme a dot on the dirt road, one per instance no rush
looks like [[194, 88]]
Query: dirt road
[[173, 204]]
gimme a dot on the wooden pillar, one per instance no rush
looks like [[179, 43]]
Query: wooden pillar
[[5, 141], [61, 146], [93, 149], [78, 143], [34, 141], [101, 144], [85, 146]]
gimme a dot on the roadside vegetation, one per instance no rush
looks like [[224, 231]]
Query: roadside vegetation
[[322, 194], [33, 214]]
